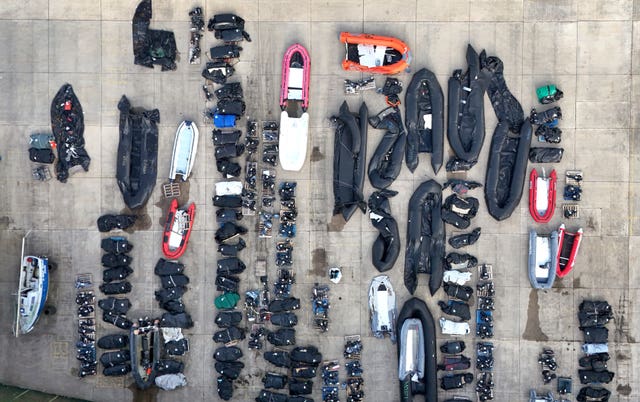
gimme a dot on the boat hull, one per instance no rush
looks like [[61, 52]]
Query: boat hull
[[170, 231], [568, 246], [185, 147], [543, 251], [32, 294], [294, 134], [542, 196]]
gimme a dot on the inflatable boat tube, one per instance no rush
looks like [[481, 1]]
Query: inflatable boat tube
[[543, 252], [505, 105], [386, 162], [424, 111], [349, 161], [506, 170], [568, 246], [465, 122], [386, 247], [374, 54], [425, 237], [417, 366], [542, 196], [137, 168]]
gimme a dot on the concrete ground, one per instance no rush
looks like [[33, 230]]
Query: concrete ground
[[588, 48]]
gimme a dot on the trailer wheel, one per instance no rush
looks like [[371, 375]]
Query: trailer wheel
[[49, 310], [52, 266]]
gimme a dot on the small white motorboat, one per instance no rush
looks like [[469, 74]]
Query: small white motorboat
[[382, 306], [185, 147]]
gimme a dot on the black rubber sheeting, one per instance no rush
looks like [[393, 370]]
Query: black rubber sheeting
[[425, 237], [137, 153], [386, 162], [386, 247], [505, 105], [349, 163], [506, 169], [67, 124], [428, 385], [424, 98], [151, 46], [465, 122]]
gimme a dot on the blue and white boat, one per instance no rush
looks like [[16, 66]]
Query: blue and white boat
[[185, 147], [33, 289]]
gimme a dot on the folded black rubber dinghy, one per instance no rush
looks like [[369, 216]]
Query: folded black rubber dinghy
[[349, 163], [386, 247], [425, 237], [386, 162], [424, 114], [152, 46]]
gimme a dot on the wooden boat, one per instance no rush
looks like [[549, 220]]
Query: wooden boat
[[144, 344], [542, 196], [543, 251], [185, 147], [177, 230], [568, 246], [375, 54], [294, 101], [33, 290]]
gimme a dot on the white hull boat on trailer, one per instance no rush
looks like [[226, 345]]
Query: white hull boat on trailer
[[185, 147], [294, 100], [33, 290], [382, 305]]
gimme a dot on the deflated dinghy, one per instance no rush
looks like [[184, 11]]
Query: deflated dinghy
[[465, 122], [425, 237], [177, 230], [382, 306], [152, 46], [542, 196], [568, 246], [505, 105], [185, 147], [386, 162], [349, 161], [506, 169], [145, 344], [375, 54], [294, 101], [543, 259], [386, 247], [137, 153], [424, 111], [417, 366]]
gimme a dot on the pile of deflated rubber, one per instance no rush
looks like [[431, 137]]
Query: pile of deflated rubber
[[67, 123], [152, 46], [424, 110], [458, 211], [137, 153], [227, 138], [349, 163], [230, 29], [593, 316], [386, 247], [386, 162], [117, 268], [465, 123], [425, 237], [303, 362]]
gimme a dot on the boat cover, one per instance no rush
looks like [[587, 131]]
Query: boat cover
[[137, 153], [424, 111], [506, 170], [425, 237], [386, 247], [67, 124], [349, 163], [152, 46]]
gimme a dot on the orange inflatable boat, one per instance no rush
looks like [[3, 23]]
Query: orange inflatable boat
[[375, 54]]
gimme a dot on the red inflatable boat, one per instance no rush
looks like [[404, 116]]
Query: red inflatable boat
[[177, 230], [568, 245], [375, 54], [542, 196]]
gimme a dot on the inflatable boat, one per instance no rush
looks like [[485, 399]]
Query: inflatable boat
[[144, 344], [177, 230], [294, 101], [506, 169], [424, 111], [568, 246], [386, 247], [137, 168], [543, 261], [417, 367], [425, 237], [382, 306], [349, 160], [375, 54], [185, 147], [33, 290], [542, 196]]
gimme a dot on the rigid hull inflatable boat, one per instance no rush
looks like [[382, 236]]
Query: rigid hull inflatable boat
[[568, 246], [375, 54], [543, 252], [294, 101], [177, 230], [542, 196]]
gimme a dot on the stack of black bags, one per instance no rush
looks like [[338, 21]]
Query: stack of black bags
[[593, 317], [116, 262]]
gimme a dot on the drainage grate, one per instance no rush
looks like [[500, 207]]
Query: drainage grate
[[171, 190]]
